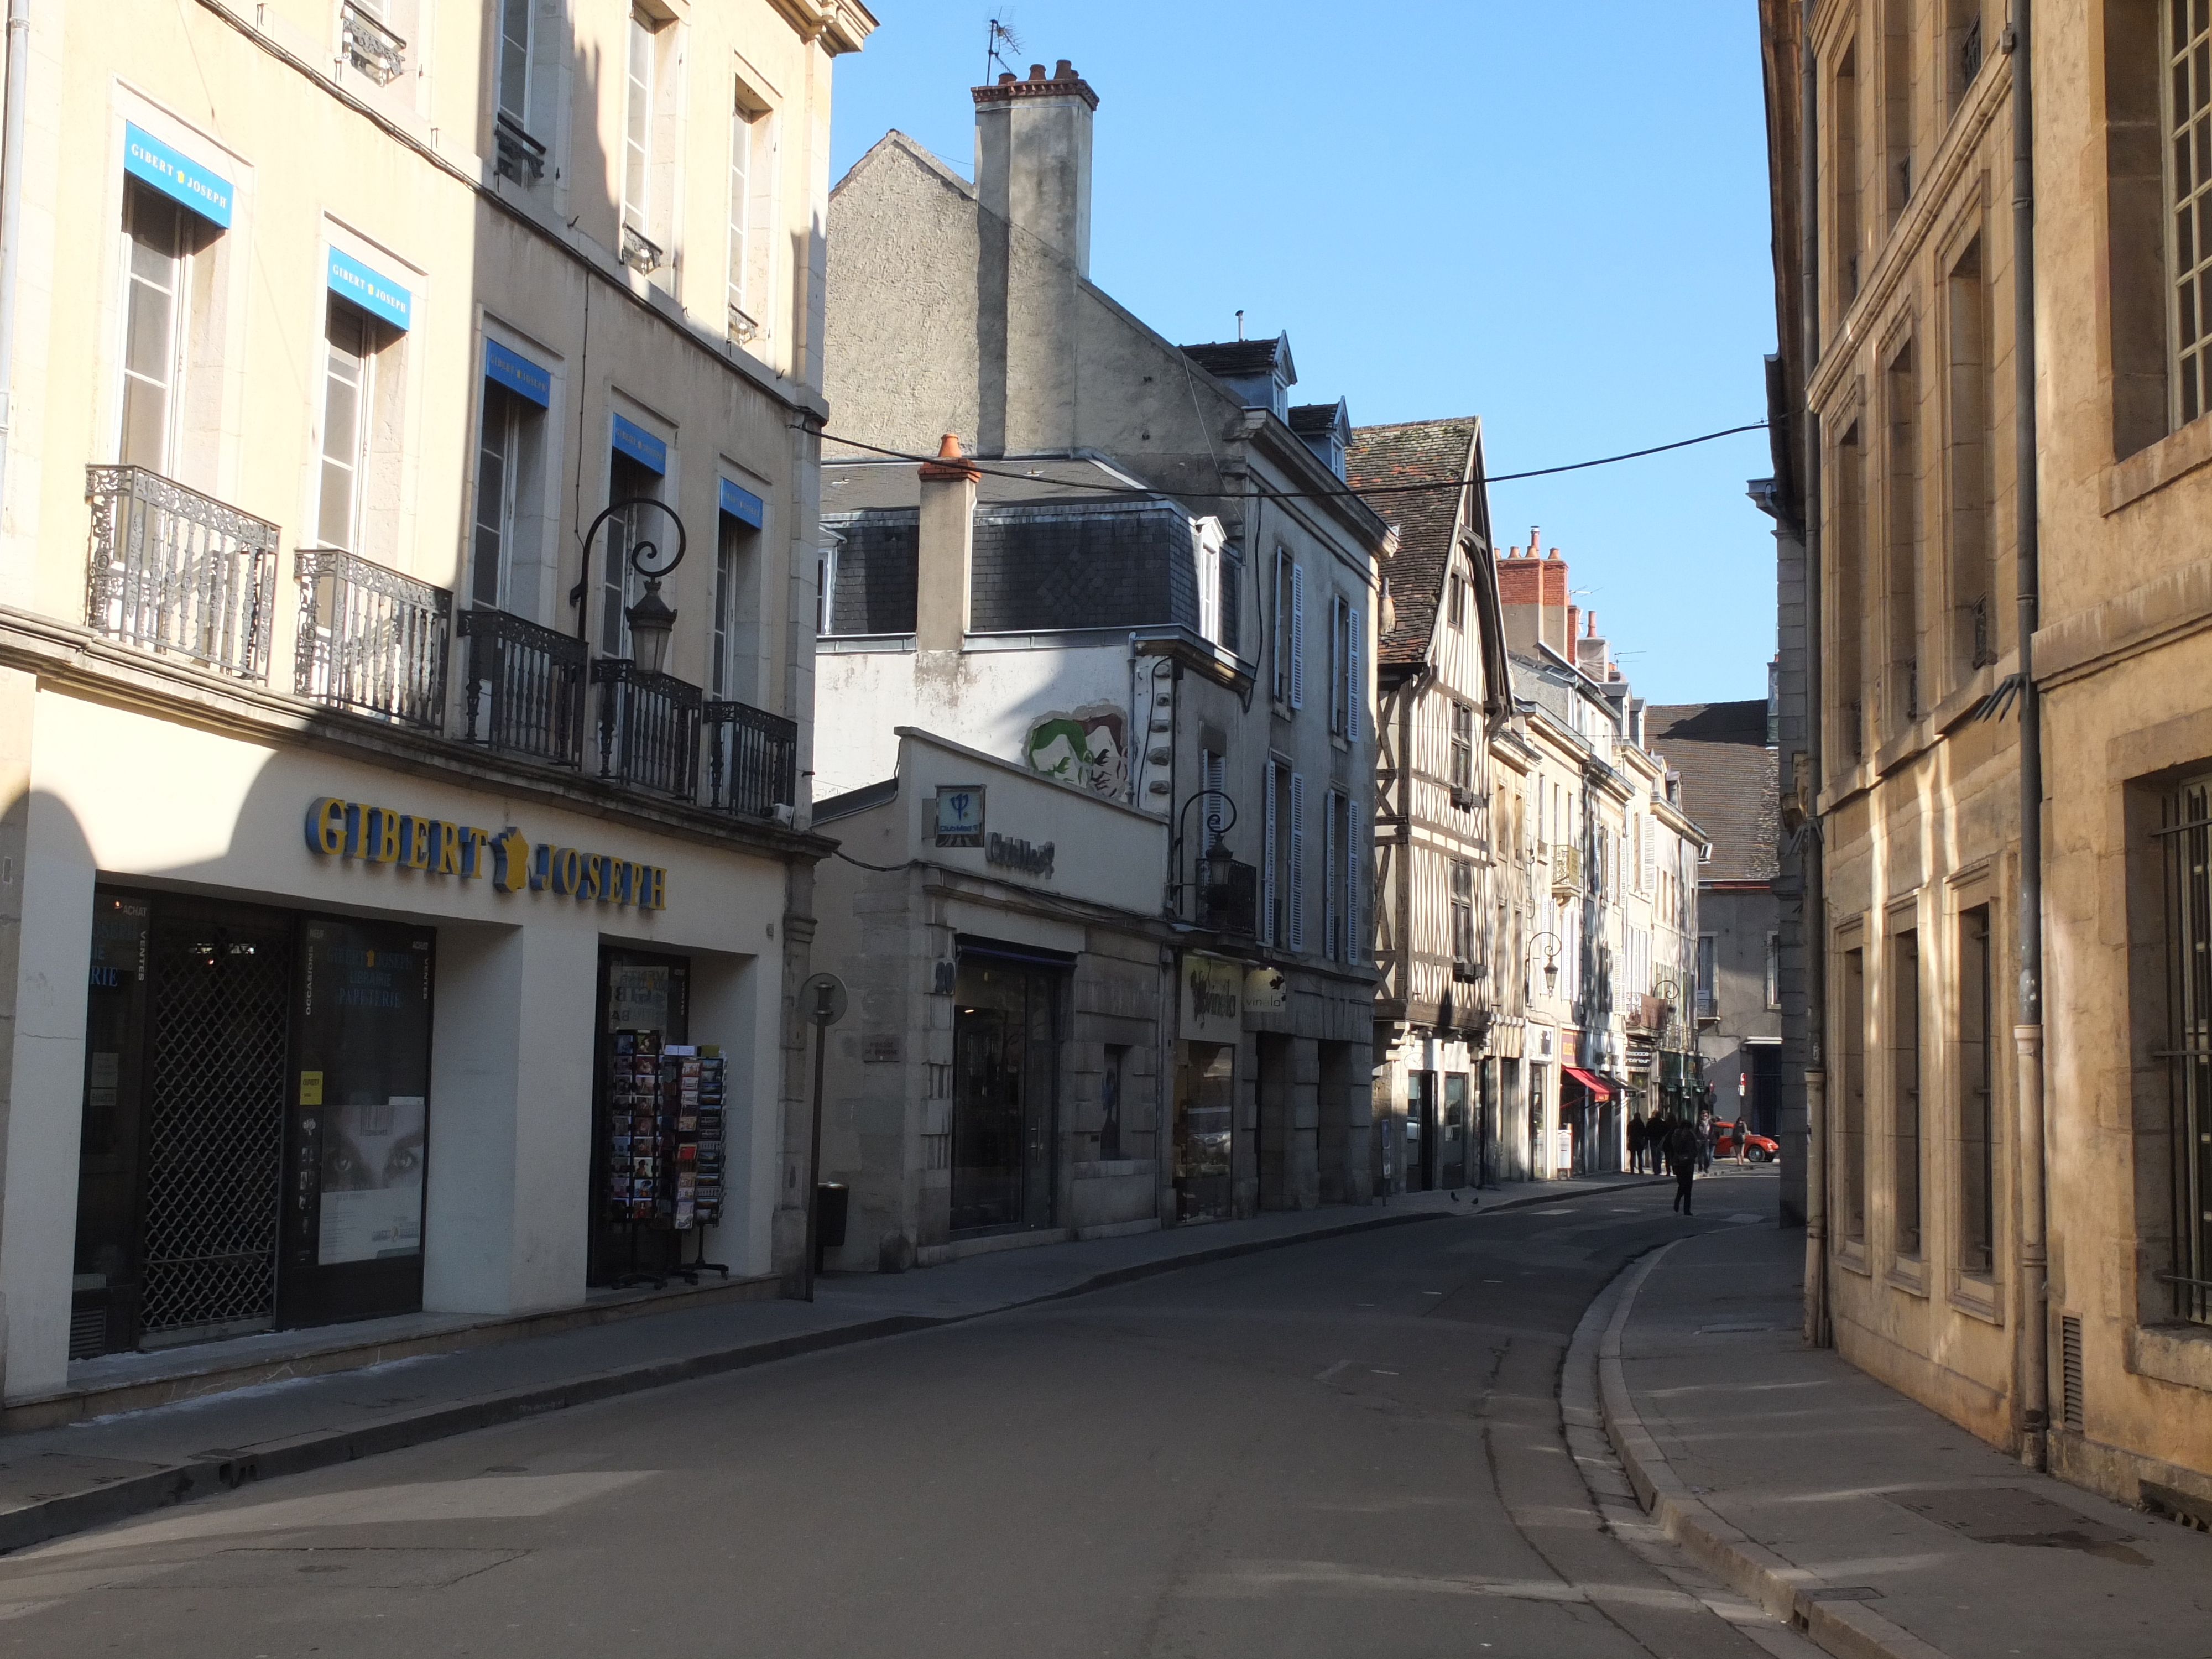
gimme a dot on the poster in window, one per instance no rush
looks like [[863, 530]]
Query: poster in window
[[373, 1180]]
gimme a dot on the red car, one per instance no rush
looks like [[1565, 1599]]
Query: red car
[[1761, 1149]]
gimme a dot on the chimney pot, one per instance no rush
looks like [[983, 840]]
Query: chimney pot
[[1064, 72], [1007, 78], [1036, 71], [1593, 615]]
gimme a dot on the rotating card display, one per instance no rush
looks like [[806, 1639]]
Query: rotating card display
[[665, 1114]]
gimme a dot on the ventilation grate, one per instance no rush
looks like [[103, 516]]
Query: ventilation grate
[[89, 1333], [2069, 1348]]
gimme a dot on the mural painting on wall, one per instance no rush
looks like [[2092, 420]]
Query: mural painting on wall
[[1088, 747]]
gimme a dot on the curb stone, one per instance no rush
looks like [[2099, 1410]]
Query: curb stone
[[215, 1473], [1849, 1630]]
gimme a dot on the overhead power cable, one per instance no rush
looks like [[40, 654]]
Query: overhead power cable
[[1361, 491]]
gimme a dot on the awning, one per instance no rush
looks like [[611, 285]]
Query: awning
[[1598, 1090]]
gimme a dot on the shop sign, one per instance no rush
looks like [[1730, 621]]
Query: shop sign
[[377, 835], [1570, 1048], [1031, 860], [1212, 999], [960, 815], [1265, 991]]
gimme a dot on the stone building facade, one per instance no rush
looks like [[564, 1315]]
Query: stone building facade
[[2007, 1203]]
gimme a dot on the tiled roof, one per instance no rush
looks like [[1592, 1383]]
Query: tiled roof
[[1729, 785], [1307, 419], [1413, 452]]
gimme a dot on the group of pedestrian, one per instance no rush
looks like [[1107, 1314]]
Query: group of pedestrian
[[1681, 1146]]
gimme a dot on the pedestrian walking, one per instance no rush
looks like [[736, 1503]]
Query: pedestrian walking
[[1635, 1143], [1742, 1140], [1705, 1142], [1682, 1156]]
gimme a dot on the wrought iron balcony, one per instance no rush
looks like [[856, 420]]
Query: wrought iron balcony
[[752, 760], [1233, 906], [648, 728], [518, 155], [371, 640], [526, 687], [640, 251], [176, 573], [370, 47]]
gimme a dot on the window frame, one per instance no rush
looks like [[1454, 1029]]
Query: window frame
[[2189, 338], [364, 397], [496, 400], [641, 112], [518, 110], [2184, 838], [175, 335]]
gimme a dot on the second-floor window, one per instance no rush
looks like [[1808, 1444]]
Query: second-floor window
[[1463, 746], [1343, 675], [1708, 978], [2188, 84], [1289, 630], [155, 313], [348, 364], [735, 622], [514, 61], [508, 526], [1462, 912]]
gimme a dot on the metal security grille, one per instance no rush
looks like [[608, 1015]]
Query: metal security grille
[[2186, 838], [215, 1125]]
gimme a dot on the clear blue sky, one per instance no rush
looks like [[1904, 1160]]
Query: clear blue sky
[[1553, 216]]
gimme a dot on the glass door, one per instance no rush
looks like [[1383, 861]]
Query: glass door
[[104, 1303], [1205, 1074], [640, 993], [1005, 1061], [357, 1135], [1456, 1126]]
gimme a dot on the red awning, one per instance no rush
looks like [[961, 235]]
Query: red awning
[[1598, 1090]]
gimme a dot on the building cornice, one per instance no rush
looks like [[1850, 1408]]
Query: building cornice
[[79, 663], [837, 26]]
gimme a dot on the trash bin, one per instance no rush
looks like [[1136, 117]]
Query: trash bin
[[831, 1201]]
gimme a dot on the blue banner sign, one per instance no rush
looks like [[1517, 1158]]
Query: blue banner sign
[[640, 445], [743, 505], [379, 296], [517, 373], [176, 175]]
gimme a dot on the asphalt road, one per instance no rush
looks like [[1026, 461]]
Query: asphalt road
[[1346, 1447]]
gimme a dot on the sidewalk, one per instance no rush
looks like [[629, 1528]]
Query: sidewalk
[[66, 1479], [1872, 1525]]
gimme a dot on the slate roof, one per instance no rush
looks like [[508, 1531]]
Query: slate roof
[[1413, 452], [1308, 419], [1235, 358], [1729, 784]]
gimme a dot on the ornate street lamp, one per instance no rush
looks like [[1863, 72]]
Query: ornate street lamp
[[1551, 960], [652, 619]]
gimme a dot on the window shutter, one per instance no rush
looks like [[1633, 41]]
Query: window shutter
[[1213, 774], [1297, 862], [1328, 917], [1297, 636], [1352, 685], [1355, 944], [1268, 872], [1647, 853]]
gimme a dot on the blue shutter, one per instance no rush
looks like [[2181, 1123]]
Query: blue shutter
[[1268, 871], [1297, 862], [1352, 684], [1297, 636], [1328, 874], [1355, 945]]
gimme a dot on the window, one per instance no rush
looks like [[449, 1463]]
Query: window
[[1271, 863], [1213, 776], [1355, 939], [1849, 541], [1774, 970], [1708, 976], [514, 61], [620, 586], [2186, 834], [1290, 631], [1295, 848], [348, 355], [645, 190], [1973, 493], [1903, 571], [154, 327], [2188, 94], [1897, 46], [1462, 747], [751, 172], [499, 462], [1455, 600], [1282, 878], [1978, 1230], [1850, 1114], [1344, 673], [1963, 37], [1462, 913], [1843, 165], [1332, 912], [1647, 852], [1904, 1090], [825, 587], [1206, 550], [733, 665]]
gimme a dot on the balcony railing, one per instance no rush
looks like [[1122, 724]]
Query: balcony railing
[[526, 687], [370, 47], [517, 155], [752, 760], [640, 251], [1233, 906], [176, 573], [648, 728], [371, 640]]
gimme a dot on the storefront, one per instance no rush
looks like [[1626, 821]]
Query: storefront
[[1006, 1064], [322, 1046], [1208, 1037]]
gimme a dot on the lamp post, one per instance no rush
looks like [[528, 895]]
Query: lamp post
[[1551, 960], [1217, 859], [1669, 990], [651, 620]]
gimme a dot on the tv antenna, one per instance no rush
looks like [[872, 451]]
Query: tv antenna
[[1002, 34]]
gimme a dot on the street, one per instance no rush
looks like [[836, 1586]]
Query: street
[[1340, 1448]]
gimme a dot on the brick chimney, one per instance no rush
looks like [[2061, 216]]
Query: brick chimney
[[944, 548], [1532, 590], [1033, 157]]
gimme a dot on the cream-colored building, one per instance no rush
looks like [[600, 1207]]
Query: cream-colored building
[[2008, 1207], [328, 328]]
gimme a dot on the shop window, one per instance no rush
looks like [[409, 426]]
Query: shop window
[[1113, 1080], [1205, 1098]]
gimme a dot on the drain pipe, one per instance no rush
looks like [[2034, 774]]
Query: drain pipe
[[2031, 1355], [11, 221], [1812, 849]]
